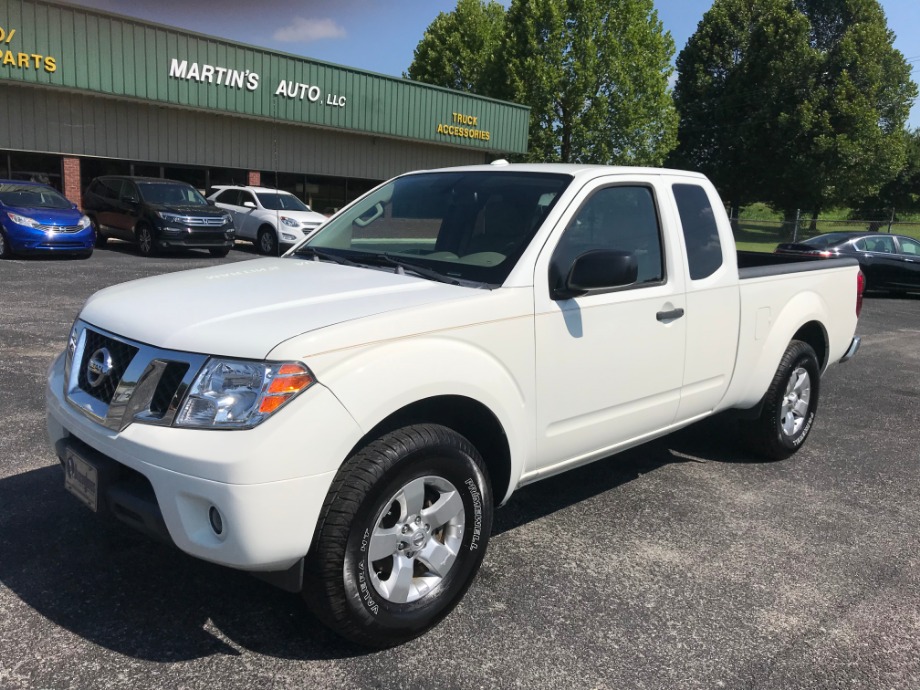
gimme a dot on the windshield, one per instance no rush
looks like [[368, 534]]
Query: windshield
[[171, 194], [32, 196], [281, 202], [471, 226]]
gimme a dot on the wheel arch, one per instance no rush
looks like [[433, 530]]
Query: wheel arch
[[815, 335], [466, 416], [803, 318]]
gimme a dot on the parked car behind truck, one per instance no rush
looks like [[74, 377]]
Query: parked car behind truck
[[35, 219], [157, 215], [889, 262], [346, 423], [269, 218]]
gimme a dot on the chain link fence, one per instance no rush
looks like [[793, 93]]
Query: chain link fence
[[763, 235]]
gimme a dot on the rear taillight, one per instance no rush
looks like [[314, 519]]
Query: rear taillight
[[860, 289]]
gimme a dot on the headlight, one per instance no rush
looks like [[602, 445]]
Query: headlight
[[85, 222], [24, 220], [227, 218], [171, 217], [236, 394], [290, 222]]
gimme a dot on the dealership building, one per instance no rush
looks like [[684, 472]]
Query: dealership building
[[85, 93]]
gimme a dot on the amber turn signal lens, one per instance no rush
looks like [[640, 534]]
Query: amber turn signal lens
[[272, 403], [290, 384]]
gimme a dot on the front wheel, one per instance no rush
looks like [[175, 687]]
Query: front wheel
[[6, 252], [219, 252], [267, 241], [401, 536], [789, 405], [146, 242]]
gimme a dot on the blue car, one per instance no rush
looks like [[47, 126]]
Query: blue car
[[36, 219]]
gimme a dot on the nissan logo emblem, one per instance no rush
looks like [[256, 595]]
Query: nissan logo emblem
[[98, 367]]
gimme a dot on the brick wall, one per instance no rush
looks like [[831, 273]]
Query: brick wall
[[72, 180], [255, 178]]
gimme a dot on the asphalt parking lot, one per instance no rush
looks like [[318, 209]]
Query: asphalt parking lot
[[681, 564]]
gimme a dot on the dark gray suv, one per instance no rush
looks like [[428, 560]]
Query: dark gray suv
[[156, 214]]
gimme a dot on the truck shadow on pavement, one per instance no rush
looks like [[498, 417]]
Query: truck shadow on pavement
[[120, 590], [711, 440]]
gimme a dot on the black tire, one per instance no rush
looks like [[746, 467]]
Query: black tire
[[346, 589], [267, 241], [146, 240], [85, 255], [219, 252], [101, 240], [785, 422], [6, 251]]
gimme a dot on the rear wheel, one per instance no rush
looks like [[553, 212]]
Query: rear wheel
[[146, 242], [789, 405], [401, 536], [267, 241]]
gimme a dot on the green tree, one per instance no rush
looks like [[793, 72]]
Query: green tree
[[900, 195], [595, 75], [805, 106], [461, 49]]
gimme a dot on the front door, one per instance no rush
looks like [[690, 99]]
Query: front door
[[609, 366]]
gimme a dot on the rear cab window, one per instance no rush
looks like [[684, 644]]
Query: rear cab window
[[701, 234]]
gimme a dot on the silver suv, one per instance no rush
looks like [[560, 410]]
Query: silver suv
[[266, 217]]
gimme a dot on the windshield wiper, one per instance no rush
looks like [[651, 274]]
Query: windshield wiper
[[319, 254], [402, 266]]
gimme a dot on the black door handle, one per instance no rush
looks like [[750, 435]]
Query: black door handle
[[669, 315]]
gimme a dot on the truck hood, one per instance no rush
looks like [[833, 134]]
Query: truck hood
[[246, 309]]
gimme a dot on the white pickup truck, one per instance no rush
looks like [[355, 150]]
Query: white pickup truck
[[344, 420]]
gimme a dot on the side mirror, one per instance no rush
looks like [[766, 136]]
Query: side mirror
[[596, 271], [249, 204], [211, 202]]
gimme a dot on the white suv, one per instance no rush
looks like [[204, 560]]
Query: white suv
[[267, 217]]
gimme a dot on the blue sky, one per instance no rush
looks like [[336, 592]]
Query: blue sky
[[380, 35]]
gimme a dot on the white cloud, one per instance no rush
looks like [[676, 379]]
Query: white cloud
[[302, 30]]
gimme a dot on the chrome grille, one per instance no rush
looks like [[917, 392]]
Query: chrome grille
[[121, 355], [145, 384], [60, 228], [202, 221]]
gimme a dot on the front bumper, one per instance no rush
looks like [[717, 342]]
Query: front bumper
[[170, 237], [268, 483], [25, 240]]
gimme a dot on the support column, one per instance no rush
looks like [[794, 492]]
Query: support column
[[255, 178], [71, 180]]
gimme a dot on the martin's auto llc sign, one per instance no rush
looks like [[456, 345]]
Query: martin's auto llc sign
[[250, 81]]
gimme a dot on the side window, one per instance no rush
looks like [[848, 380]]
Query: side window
[[882, 245], [621, 218], [128, 191], [229, 196], [701, 235], [109, 189], [909, 246], [246, 196], [860, 245]]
